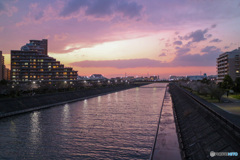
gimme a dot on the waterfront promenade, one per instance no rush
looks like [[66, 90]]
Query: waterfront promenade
[[167, 146]]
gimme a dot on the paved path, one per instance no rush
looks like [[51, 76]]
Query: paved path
[[167, 146], [230, 105]]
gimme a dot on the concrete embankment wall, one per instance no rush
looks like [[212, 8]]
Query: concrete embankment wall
[[199, 131], [14, 106]]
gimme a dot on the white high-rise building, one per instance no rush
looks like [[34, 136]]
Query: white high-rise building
[[228, 63]]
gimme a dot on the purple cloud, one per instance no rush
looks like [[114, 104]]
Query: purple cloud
[[216, 40], [129, 9], [129, 63], [100, 8], [103, 8], [197, 36], [181, 51], [211, 50], [38, 16], [226, 47], [177, 43], [162, 54], [72, 7], [2, 6], [207, 59], [208, 35], [214, 26], [7, 8]]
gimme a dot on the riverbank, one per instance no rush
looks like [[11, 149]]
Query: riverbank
[[13, 106], [199, 131]]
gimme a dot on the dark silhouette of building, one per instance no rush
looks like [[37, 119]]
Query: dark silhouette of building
[[1, 66]]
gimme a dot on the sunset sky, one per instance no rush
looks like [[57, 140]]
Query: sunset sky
[[114, 37]]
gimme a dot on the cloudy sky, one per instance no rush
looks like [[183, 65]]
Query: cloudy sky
[[136, 37]]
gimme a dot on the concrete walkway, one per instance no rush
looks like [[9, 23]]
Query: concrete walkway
[[167, 146], [230, 105]]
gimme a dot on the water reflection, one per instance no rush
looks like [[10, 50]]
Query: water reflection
[[13, 127], [121, 125], [99, 99], [65, 113], [109, 97], [116, 96], [85, 103], [35, 130]]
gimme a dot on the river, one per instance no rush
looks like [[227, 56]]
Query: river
[[120, 125]]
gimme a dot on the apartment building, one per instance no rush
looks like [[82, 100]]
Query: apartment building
[[228, 63], [32, 63]]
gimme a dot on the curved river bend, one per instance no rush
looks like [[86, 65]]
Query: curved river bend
[[120, 125]]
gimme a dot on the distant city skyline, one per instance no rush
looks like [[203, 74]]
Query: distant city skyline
[[137, 37]]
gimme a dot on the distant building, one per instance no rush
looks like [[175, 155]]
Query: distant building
[[228, 64], [82, 78], [177, 78], [32, 63], [40, 46], [154, 78], [97, 77], [1, 66], [4, 72], [7, 74], [196, 78]]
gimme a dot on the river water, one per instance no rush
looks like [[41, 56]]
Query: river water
[[120, 125]]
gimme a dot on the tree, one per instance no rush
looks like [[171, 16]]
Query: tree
[[3, 82], [227, 83], [205, 80], [237, 85]]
